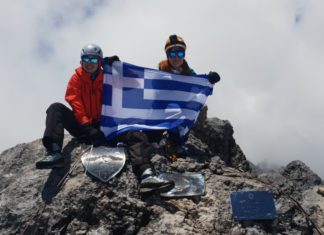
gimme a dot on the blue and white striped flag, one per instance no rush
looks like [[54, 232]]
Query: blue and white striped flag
[[137, 98]]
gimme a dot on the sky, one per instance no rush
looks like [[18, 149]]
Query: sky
[[269, 53]]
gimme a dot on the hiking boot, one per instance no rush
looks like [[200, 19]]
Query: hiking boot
[[151, 183], [52, 160]]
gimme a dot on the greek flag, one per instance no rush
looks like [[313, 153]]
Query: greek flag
[[137, 98]]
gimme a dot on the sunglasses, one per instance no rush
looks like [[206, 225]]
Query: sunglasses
[[88, 60], [173, 54]]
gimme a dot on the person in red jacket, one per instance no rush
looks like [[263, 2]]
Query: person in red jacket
[[84, 94]]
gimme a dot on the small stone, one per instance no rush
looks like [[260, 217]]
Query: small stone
[[321, 191]]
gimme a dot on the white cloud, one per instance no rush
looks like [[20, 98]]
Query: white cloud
[[269, 54]]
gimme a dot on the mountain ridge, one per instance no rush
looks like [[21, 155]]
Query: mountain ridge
[[33, 202]]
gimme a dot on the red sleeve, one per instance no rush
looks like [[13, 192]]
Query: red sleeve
[[73, 97]]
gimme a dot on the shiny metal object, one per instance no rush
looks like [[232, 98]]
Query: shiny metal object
[[253, 205], [186, 184], [104, 162]]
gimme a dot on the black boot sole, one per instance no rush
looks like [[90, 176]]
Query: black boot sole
[[43, 165]]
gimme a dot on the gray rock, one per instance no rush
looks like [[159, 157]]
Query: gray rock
[[302, 176], [32, 203], [218, 136]]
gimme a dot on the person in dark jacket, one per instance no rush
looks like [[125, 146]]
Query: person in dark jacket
[[175, 49]]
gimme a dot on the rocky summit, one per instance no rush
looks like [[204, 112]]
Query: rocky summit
[[70, 201]]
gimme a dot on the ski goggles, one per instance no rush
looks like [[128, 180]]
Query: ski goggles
[[86, 59], [174, 54]]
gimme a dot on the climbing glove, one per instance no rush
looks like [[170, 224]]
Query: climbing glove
[[96, 136], [213, 77], [110, 60]]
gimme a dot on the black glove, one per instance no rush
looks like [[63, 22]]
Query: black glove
[[96, 136], [110, 60], [213, 77]]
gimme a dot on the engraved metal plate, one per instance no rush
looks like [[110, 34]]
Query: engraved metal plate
[[186, 184], [253, 205], [104, 162]]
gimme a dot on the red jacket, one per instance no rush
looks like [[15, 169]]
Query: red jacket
[[85, 96]]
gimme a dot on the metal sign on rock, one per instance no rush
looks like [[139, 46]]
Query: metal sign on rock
[[104, 162]]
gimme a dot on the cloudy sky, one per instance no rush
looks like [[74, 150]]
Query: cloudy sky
[[270, 55]]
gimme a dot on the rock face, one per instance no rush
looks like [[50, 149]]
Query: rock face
[[31, 202], [218, 135]]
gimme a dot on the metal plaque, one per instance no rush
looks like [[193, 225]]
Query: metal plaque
[[104, 162], [253, 205], [186, 184]]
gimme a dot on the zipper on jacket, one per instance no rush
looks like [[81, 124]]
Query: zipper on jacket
[[93, 96], [95, 101], [91, 101]]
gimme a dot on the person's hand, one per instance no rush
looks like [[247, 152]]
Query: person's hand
[[213, 77], [110, 60], [96, 136]]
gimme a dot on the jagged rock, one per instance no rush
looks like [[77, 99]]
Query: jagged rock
[[301, 175], [218, 135], [32, 203], [295, 178]]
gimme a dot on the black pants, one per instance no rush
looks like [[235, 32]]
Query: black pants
[[58, 118], [139, 144], [140, 148]]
